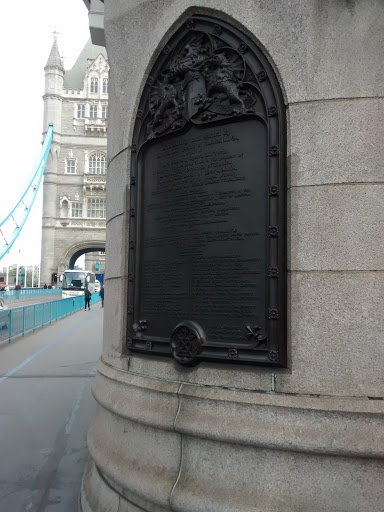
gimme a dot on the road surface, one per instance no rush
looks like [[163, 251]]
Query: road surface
[[46, 408]]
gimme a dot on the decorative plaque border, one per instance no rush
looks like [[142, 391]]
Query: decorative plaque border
[[216, 61]]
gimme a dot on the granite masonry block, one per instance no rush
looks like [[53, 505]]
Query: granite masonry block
[[311, 424], [231, 478], [205, 374], [116, 247], [338, 141], [131, 451], [95, 493], [115, 319], [117, 186], [337, 227], [302, 45], [337, 328], [151, 402]]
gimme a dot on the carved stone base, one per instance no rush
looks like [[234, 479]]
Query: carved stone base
[[160, 446]]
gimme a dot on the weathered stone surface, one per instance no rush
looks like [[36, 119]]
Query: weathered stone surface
[[125, 506], [293, 423], [95, 494], [114, 352], [205, 374], [132, 456], [151, 402], [118, 186], [314, 51], [336, 141], [116, 245], [336, 333], [305, 442], [262, 446], [337, 227], [234, 478]]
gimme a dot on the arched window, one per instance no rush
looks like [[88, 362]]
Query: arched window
[[94, 85], [105, 85], [97, 164], [104, 112]]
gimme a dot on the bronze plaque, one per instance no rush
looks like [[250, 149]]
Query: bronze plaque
[[207, 244]]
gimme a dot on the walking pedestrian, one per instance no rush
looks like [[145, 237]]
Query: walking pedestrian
[[101, 293], [87, 297]]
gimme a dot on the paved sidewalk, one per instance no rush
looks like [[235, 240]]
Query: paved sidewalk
[[46, 409], [34, 300]]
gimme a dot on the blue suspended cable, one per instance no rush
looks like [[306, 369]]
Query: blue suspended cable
[[10, 226]]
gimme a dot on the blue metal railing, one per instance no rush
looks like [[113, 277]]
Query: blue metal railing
[[12, 224], [29, 293], [16, 322]]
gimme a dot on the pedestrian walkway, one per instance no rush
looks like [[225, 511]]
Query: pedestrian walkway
[[46, 408], [29, 294], [32, 300], [16, 322]]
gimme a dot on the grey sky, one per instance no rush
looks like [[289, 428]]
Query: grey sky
[[26, 39]]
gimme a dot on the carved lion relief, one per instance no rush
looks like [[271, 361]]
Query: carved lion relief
[[203, 79]]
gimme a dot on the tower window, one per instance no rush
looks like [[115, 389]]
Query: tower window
[[70, 167], [105, 85], [96, 208], [104, 111], [77, 210], [94, 85], [97, 164], [93, 111], [81, 111]]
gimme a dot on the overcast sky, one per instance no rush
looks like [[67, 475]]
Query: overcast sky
[[26, 40]]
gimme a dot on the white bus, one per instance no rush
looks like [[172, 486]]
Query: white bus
[[74, 282]]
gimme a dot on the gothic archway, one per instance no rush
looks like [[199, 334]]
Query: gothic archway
[[79, 253], [74, 252]]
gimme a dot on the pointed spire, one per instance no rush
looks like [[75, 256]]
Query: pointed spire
[[54, 59]]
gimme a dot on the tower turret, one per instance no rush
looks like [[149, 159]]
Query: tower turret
[[54, 80]]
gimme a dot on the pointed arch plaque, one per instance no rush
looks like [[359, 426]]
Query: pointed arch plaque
[[207, 236]]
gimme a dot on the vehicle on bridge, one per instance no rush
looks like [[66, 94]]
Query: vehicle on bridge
[[74, 282]]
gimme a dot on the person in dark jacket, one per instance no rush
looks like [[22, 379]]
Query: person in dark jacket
[[87, 297], [101, 293]]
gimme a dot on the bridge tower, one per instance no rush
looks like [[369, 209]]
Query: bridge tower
[[76, 103]]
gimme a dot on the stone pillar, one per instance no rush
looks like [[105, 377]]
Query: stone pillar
[[48, 265], [223, 437]]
